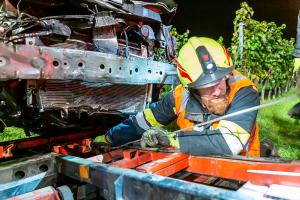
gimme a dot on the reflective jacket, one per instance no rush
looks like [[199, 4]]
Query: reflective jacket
[[250, 142], [227, 137]]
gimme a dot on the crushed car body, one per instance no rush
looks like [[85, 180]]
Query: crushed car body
[[63, 60]]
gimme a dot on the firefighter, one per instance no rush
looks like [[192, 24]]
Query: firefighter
[[210, 88]]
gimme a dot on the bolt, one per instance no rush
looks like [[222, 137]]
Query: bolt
[[2, 29], [37, 62], [3, 61]]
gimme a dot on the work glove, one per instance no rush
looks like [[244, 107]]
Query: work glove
[[156, 136], [101, 144]]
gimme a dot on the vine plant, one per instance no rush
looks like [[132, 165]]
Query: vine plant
[[181, 39], [267, 56]]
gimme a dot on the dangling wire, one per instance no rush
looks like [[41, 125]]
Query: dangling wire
[[127, 43], [18, 9]]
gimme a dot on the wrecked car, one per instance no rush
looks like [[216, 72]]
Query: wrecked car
[[65, 62]]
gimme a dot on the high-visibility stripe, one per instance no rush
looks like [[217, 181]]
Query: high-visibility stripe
[[184, 100], [181, 97], [236, 82], [232, 141], [178, 97], [236, 78], [174, 109], [234, 129], [141, 121], [151, 119]]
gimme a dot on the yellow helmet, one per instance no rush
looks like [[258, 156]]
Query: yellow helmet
[[203, 62]]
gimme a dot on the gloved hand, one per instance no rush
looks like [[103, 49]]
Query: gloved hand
[[158, 136], [101, 144]]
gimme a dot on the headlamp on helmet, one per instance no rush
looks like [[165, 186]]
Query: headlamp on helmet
[[203, 62]]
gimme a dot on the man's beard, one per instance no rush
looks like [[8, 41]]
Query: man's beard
[[217, 106]]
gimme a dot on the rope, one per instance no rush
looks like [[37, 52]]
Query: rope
[[221, 118]]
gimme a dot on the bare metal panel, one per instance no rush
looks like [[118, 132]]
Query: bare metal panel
[[32, 62], [92, 97]]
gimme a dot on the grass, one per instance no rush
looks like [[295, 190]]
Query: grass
[[14, 133], [284, 131]]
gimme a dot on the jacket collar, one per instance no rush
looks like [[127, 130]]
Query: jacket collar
[[195, 112]]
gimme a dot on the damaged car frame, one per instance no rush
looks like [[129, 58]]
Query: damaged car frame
[[63, 60]]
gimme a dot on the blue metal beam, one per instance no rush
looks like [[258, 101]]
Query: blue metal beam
[[119, 183]]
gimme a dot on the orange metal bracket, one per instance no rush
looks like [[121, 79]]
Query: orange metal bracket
[[80, 146], [167, 166], [164, 164], [258, 171], [261, 173], [108, 157], [134, 158], [6, 151]]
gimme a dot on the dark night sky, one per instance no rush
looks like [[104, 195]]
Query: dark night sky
[[214, 18]]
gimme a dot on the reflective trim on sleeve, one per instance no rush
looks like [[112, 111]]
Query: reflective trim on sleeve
[[184, 100], [236, 78], [141, 121], [235, 129], [174, 109], [151, 119], [197, 128], [232, 141]]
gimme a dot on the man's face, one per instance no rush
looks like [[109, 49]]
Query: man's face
[[214, 98]]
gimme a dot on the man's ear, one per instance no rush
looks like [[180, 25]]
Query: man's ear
[[202, 103]]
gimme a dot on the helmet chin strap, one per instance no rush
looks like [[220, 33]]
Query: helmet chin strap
[[227, 85]]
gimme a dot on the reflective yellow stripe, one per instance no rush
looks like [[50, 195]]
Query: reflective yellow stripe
[[141, 121], [151, 119], [235, 129]]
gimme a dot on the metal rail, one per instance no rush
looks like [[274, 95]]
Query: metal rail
[[57, 141], [140, 174], [121, 183]]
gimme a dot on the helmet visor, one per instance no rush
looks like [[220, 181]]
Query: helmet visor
[[211, 79]]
